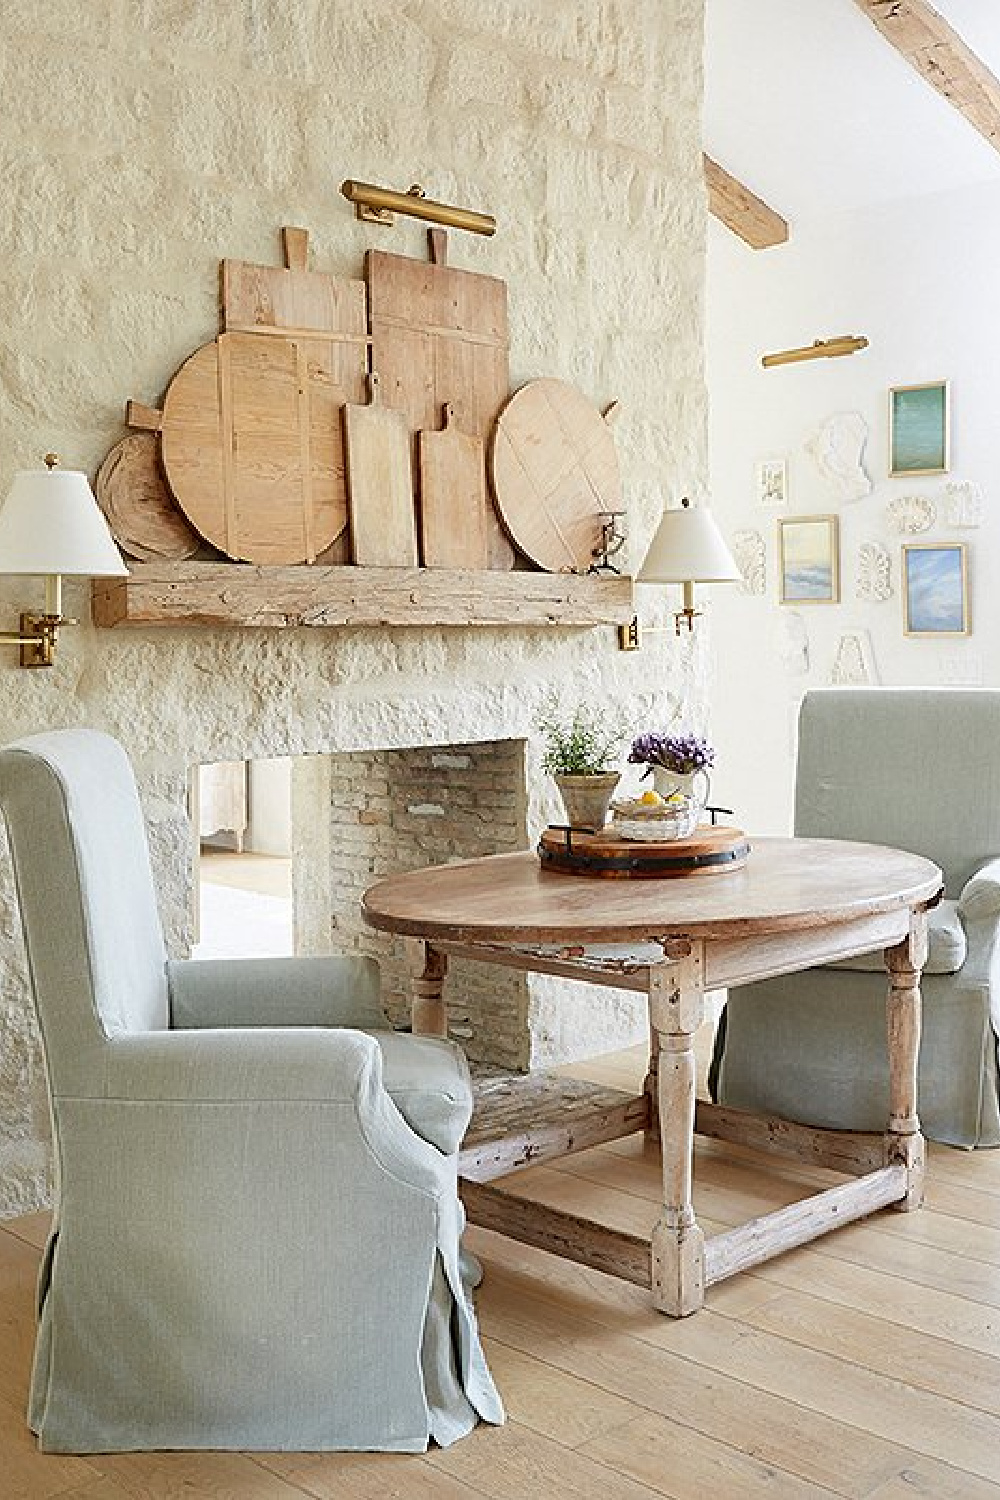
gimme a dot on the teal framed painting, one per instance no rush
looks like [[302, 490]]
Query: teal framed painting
[[920, 428], [935, 589]]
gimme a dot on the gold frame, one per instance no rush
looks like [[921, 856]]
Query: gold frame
[[833, 523], [922, 385], [962, 550]]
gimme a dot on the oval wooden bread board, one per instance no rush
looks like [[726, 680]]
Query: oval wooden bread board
[[140, 510], [709, 851], [253, 447], [554, 472]]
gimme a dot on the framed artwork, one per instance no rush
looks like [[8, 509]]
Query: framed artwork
[[809, 560], [772, 481], [935, 589], [919, 429]]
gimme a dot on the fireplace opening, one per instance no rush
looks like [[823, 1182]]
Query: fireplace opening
[[243, 867]]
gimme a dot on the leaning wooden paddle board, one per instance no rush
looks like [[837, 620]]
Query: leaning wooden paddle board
[[293, 300], [379, 484], [453, 500]]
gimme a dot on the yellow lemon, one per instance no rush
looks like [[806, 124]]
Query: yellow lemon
[[651, 799]]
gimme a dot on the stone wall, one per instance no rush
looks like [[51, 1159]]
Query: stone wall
[[140, 143]]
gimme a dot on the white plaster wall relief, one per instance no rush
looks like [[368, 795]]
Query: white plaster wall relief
[[791, 641], [837, 449], [854, 662], [960, 669], [963, 505], [911, 514], [874, 583], [750, 555], [771, 481]]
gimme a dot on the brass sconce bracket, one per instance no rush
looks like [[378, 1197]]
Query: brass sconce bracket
[[632, 635], [378, 205]]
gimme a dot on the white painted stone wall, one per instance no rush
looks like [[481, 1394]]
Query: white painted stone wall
[[141, 142], [916, 277]]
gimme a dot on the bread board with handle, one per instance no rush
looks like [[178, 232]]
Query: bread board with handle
[[292, 299], [555, 474], [379, 483], [440, 335], [252, 443], [454, 514], [604, 855]]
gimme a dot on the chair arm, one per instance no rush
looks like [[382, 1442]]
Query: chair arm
[[258, 1065], [980, 896], [979, 909], [342, 990]]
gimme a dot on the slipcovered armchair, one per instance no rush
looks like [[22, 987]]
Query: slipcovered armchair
[[255, 1241], [916, 769]]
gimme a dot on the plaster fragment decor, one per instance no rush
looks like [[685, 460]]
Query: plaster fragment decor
[[964, 503], [750, 555], [874, 575], [960, 669], [911, 514], [853, 663], [837, 449], [791, 642]]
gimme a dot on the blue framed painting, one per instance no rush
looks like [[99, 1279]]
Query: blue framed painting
[[920, 429], [809, 560], [935, 589]]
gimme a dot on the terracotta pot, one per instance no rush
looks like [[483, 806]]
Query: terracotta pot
[[587, 798]]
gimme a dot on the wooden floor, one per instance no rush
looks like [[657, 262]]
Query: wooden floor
[[866, 1365]]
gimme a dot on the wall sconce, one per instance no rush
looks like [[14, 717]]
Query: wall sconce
[[50, 525], [687, 548], [847, 343], [377, 205]]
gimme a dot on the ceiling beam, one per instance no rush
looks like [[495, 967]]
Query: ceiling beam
[[742, 211], [931, 46]]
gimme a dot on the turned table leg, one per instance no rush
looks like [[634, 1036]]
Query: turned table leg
[[904, 1142], [428, 967], [676, 1006], [651, 1085]]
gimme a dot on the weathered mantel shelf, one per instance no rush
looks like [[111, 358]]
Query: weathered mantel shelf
[[231, 594]]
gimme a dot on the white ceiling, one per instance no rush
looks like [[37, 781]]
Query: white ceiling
[[807, 104]]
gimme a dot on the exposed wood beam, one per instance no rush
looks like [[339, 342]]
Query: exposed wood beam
[[923, 36], [742, 211]]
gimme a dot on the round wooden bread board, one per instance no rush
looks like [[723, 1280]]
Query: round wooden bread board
[[138, 506], [709, 851], [555, 473]]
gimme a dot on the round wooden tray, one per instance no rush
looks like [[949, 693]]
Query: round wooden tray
[[710, 851]]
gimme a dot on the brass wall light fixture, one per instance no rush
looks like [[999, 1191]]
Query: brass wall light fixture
[[50, 525], [378, 205], [847, 343], [687, 548]]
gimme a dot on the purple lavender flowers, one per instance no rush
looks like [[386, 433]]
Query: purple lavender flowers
[[676, 752]]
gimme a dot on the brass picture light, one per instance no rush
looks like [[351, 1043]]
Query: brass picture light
[[847, 343], [50, 526], [377, 205]]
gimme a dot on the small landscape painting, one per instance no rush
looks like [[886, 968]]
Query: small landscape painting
[[809, 560], [919, 429], [935, 595]]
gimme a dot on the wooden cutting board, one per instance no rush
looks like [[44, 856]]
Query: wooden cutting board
[[289, 300], [252, 444], [555, 473], [439, 335], [379, 484], [454, 509], [140, 510]]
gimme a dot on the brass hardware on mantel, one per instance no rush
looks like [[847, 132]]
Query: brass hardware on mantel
[[378, 205], [847, 343]]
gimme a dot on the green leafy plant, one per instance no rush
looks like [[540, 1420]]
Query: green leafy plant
[[580, 742]]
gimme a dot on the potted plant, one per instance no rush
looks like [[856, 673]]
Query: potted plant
[[679, 763], [581, 747]]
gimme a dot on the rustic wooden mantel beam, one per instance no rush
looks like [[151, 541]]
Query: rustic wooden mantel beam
[[933, 47], [742, 211]]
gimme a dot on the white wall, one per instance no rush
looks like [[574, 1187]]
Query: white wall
[[918, 278]]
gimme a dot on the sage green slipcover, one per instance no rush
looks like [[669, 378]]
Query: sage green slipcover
[[917, 769], [254, 1244]]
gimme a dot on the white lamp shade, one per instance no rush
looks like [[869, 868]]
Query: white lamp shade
[[50, 523], [687, 547]]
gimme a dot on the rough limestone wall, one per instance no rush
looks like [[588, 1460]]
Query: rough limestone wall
[[140, 143]]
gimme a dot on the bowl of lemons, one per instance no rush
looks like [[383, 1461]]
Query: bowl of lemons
[[653, 818]]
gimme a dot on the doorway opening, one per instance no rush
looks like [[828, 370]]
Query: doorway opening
[[243, 820]]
